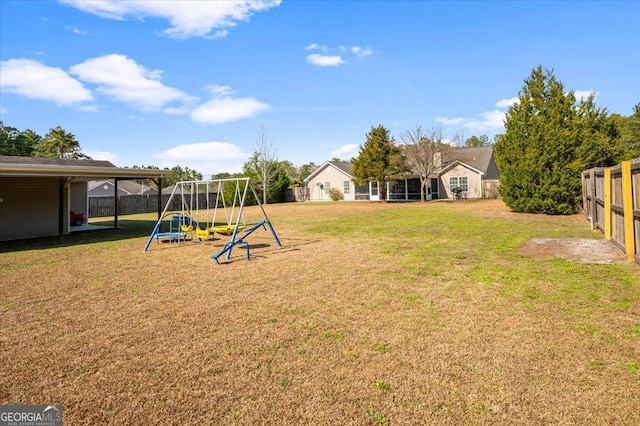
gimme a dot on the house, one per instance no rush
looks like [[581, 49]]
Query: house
[[181, 188], [335, 174], [106, 188], [464, 173], [37, 195], [473, 170]]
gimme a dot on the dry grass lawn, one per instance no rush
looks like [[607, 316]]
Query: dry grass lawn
[[370, 313]]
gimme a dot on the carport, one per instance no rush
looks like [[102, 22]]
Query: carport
[[37, 194]]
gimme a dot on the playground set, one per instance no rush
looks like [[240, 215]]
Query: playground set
[[196, 201]]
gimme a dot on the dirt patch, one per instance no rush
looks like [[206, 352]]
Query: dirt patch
[[581, 250]]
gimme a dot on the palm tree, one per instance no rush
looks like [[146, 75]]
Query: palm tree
[[59, 143]]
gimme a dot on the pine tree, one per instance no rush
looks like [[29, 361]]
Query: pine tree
[[378, 159], [548, 141]]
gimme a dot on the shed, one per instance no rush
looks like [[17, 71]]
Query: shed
[[37, 194]]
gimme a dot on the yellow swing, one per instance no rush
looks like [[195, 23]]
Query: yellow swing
[[229, 227], [203, 233], [186, 226]]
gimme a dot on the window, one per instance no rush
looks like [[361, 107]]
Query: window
[[458, 182], [327, 186], [346, 187]]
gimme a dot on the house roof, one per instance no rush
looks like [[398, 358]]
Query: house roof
[[79, 169], [345, 168], [458, 162], [169, 190], [128, 186], [477, 158]]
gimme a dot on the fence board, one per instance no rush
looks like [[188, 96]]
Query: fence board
[[624, 208]]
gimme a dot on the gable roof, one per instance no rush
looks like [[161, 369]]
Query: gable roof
[[130, 187], [456, 163], [345, 168], [478, 158]]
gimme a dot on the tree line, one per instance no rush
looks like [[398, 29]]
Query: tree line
[[57, 143]]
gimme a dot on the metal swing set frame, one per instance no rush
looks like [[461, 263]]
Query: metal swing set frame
[[183, 224]]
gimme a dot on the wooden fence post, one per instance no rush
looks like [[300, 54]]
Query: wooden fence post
[[607, 203], [593, 206], [627, 205]]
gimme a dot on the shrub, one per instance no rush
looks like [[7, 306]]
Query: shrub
[[336, 194]]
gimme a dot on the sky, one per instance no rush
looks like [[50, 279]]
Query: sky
[[196, 83]]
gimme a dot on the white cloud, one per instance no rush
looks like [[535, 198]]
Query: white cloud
[[101, 155], [205, 157], [325, 60], [506, 103], [316, 46], [75, 30], [491, 120], [3, 110], [361, 51], [123, 79], [450, 121], [34, 80], [584, 94], [218, 90], [187, 18], [224, 108], [346, 151]]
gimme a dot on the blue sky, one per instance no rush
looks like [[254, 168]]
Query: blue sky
[[193, 83]]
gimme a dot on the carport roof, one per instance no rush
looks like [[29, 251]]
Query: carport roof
[[81, 169]]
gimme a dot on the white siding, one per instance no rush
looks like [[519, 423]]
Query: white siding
[[78, 202], [335, 178], [475, 187], [29, 208]]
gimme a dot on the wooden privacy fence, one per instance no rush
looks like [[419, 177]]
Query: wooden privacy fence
[[611, 201], [298, 193], [132, 204]]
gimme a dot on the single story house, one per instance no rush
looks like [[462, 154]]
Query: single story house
[[37, 195], [335, 174], [471, 172], [106, 188]]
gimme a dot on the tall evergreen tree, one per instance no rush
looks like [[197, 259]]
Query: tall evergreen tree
[[17, 143], [631, 133], [379, 159], [548, 141], [599, 135]]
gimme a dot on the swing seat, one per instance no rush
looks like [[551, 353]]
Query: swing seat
[[203, 234], [186, 228], [227, 229]]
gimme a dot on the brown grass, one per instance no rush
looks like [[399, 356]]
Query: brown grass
[[326, 330]]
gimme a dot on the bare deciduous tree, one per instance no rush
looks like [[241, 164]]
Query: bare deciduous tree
[[264, 163], [423, 152]]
